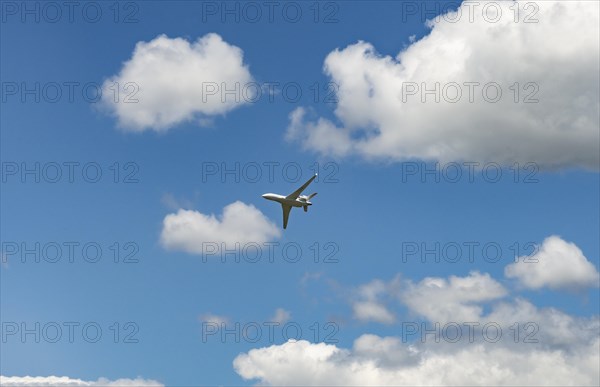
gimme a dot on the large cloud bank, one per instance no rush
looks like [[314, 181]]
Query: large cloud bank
[[384, 111]]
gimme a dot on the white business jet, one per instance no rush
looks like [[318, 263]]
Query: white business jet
[[292, 200]]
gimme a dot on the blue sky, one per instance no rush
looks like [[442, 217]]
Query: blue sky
[[368, 208]]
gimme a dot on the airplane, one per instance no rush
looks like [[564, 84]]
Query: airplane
[[292, 200]]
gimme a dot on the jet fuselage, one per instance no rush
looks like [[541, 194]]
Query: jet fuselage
[[290, 202]]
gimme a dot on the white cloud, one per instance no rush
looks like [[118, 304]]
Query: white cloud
[[561, 130], [191, 231], [555, 329], [454, 299], [281, 316], [368, 306], [173, 80], [372, 311], [556, 264], [536, 346], [67, 381], [378, 361], [564, 350], [322, 136]]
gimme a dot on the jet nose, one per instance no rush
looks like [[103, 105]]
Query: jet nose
[[264, 196]]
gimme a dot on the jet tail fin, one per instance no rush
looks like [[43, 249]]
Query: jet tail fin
[[312, 195]]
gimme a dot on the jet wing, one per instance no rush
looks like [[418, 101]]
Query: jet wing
[[286, 214], [296, 193]]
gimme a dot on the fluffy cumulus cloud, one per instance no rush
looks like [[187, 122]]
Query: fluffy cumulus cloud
[[453, 299], [528, 345], [384, 112], [67, 381], [194, 232], [555, 264], [549, 328], [387, 361], [168, 81], [373, 311], [535, 346]]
